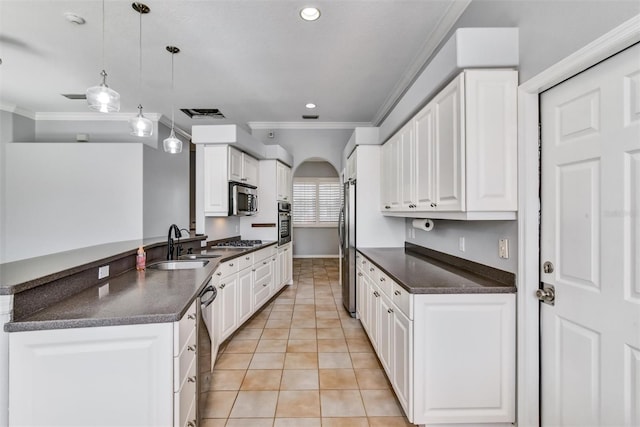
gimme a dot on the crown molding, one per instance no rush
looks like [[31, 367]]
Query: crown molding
[[306, 125], [17, 110], [90, 116], [432, 42]]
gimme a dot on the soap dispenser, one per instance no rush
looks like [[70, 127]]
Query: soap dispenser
[[141, 259]]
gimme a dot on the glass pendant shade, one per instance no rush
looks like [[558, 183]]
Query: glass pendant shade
[[102, 98], [172, 144], [140, 125]]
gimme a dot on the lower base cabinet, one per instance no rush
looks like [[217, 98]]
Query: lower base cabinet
[[111, 375], [449, 357]]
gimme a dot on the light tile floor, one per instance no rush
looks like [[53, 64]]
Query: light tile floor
[[300, 361]]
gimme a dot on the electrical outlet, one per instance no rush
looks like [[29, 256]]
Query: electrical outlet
[[461, 244], [103, 272], [503, 248]]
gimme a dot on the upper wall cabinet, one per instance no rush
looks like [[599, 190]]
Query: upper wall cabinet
[[283, 182], [221, 165], [242, 167], [457, 158]]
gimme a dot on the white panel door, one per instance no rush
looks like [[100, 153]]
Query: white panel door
[[449, 146], [249, 170], [245, 295], [423, 135], [407, 164], [590, 338], [228, 294], [235, 165]]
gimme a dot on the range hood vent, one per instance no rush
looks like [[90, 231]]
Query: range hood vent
[[203, 113], [74, 95], [310, 117]]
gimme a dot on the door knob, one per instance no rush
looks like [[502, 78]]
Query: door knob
[[547, 294]]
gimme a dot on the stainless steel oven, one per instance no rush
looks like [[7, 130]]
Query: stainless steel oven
[[284, 223]]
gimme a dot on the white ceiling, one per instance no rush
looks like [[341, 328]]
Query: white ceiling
[[256, 60]]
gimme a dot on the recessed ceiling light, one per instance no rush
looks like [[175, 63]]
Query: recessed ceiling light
[[310, 13], [311, 105]]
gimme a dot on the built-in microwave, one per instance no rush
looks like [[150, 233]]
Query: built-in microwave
[[243, 199]]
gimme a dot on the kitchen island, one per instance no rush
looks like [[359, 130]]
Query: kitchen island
[[122, 349]]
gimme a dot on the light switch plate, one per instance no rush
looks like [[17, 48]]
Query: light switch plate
[[503, 248], [103, 272]]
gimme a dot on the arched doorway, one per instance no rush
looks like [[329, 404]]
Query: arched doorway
[[317, 199]]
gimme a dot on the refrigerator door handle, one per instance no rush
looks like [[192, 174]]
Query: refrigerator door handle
[[341, 231]]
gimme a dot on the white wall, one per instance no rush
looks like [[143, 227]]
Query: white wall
[[166, 187], [222, 227], [304, 144], [65, 196]]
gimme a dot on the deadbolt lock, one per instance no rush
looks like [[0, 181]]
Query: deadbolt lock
[[547, 267]]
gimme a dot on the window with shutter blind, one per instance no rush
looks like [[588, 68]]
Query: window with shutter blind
[[316, 202]]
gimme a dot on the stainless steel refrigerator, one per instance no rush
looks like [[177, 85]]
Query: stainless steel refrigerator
[[347, 231]]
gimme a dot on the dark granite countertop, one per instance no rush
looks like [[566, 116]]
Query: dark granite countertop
[[421, 274], [134, 297], [18, 276]]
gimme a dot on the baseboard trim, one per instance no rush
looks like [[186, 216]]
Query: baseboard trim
[[316, 256]]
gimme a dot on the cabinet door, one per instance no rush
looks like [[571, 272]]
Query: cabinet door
[[216, 313], [406, 162], [360, 295], [390, 194], [402, 356], [424, 167], [229, 308], [283, 182], [216, 187], [288, 184], [249, 170], [373, 307], [245, 297], [235, 165], [449, 147], [385, 313], [289, 264]]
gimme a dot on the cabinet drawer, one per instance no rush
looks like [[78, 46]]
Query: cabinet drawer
[[372, 271], [262, 272], [403, 300], [183, 329], [182, 363], [244, 261], [385, 283], [261, 255], [261, 292], [227, 268], [184, 400]]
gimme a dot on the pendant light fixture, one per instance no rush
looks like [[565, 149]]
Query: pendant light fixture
[[102, 98], [172, 144], [140, 125]]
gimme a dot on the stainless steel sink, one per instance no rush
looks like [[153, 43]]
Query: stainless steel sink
[[178, 264], [199, 256]]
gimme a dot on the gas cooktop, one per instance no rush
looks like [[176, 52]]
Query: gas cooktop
[[238, 244]]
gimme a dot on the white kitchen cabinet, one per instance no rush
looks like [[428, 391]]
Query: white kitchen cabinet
[[245, 295], [146, 373], [262, 281], [462, 164], [222, 164], [454, 363], [352, 167], [285, 261], [229, 313], [242, 167], [284, 182]]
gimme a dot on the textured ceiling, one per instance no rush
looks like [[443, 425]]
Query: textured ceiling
[[256, 60]]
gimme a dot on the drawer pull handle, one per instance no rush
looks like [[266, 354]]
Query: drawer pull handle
[[219, 273], [230, 264], [371, 269], [247, 258], [222, 286], [191, 316], [396, 292], [191, 379], [389, 310], [191, 424], [192, 347], [253, 270], [265, 284], [273, 259], [264, 262], [382, 279], [376, 294], [359, 274]]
